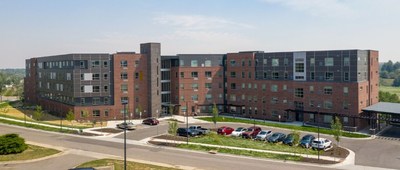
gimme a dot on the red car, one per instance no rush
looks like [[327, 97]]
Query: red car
[[151, 121], [251, 132], [225, 130]]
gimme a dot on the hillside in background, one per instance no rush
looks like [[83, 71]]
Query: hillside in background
[[11, 83]]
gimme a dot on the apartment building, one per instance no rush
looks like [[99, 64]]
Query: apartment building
[[281, 86]]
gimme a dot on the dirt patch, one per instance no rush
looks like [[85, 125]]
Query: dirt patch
[[337, 152], [109, 130]]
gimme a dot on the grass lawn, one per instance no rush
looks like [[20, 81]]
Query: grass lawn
[[241, 152], [390, 89], [36, 126], [119, 165], [33, 152], [215, 139], [285, 126]]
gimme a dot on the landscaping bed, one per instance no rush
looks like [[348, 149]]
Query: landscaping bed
[[119, 165], [109, 130]]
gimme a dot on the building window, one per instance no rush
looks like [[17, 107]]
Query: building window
[[233, 86], [249, 74], [329, 61], [137, 63], [233, 74], [208, 97], [105, 88], [275, 62], [345, 105], [106, 100], [233, 62], [124, 88], [249, 63], [181, 63], [105, 63], [263, 87], [243, 63], [312, 62], [346, 91], [208, 85], [195, 86], [207, 63], [274, 88], [284, 87], [124, 76], [95, 63], [346, 76], [193, 63], [299, 67], [182, 74], [265, 61], [208, 74], [68, 76], [83, 102], [249, 85], [327, 118], [311, 89], [299, 92], [232, 98], [96, 113], [249, 98], [95, 76], [137, 87], [346, 61], [285, 61], [124, 63], [312, 75], [328, 90], [106, 113], [105, 76], [328, 75], [274, 100], [275, 75], [96, 89], [195, 74], [243, 74], [311, 103], [95, 101], [328, 104], [124, 99]]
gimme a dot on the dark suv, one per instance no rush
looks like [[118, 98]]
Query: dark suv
[[186, 132], [251, 132], [306, 141], [151, 121]]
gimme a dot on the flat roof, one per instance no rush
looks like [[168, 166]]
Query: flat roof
[[384, 107]]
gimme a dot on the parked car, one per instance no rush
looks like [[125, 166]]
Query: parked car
[[251, 132], [238, 131], [127, 125], [276, 137], [202, 131], [306, 141], [186, 132], [321, 143], [225, 130], [263, 134], [289, 140], [151, 121]]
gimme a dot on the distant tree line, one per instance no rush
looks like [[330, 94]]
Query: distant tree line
[[388, 97], [390, 70], [12, 77]]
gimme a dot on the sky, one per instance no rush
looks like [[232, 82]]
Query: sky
[[46, 27]]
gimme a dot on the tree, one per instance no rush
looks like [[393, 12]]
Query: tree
[[38, 114], [215, 114], [336, 127], [396, 82], [171, 109], [70, 116], [85, 114], [172, 128], [12, 144], [388, 97]]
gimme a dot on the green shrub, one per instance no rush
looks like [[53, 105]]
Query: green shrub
[[12, 144]]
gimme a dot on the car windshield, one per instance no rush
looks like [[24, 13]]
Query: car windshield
[[306, 138], [238, 129], [318, 142], [275, 135], [263, 132], [249, 130]]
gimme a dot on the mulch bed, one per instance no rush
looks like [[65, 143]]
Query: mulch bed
[[109, 130], [85, 134], [169, 137], [337, 152]]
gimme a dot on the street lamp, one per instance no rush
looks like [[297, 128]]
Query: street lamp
[[124, 102], [318, 127]]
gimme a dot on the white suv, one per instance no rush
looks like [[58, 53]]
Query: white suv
[[321, 143]]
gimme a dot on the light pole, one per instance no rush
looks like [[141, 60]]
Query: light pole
[[187, 124], [318, 128], [124, 102]]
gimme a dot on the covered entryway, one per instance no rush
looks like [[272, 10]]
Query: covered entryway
[[383, 114]]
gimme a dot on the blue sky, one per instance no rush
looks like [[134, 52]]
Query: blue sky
[[33, 28]]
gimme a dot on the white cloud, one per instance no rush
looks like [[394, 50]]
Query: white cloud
[[322, 8]]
